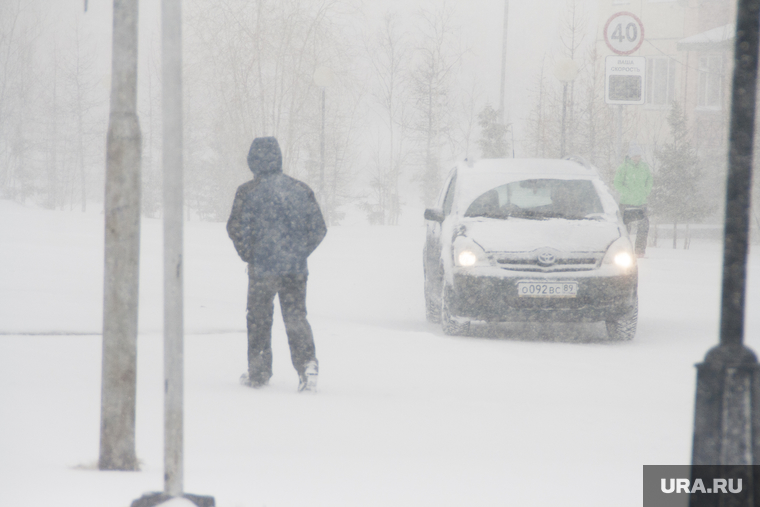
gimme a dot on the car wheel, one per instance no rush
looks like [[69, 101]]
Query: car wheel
[[624, 328], [432, 309], [432, 303], [451, 326]]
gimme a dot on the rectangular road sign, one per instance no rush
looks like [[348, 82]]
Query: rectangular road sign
[[625, 79]]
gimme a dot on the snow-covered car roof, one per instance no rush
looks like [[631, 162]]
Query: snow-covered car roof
[[476, 178]]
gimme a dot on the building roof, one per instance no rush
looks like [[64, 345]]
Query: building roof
[[715, 39]]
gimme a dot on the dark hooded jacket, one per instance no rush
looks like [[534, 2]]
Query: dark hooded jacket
[[275, 222]]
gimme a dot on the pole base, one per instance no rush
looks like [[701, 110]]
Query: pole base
[[727, 414], [727, 424], [153, 499]]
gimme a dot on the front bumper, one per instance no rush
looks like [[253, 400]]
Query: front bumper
[[480, 296]]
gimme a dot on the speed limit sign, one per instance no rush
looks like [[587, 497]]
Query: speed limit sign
[[624, 33]]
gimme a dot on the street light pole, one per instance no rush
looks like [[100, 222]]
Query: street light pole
[[503, 62], [565, 70], [173, 190], [323, 77], [171, 56], [618, 133], [564, 116], [727, 409], [322, 153]]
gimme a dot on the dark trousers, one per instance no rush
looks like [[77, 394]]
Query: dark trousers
[[642, 226], [292, 293]]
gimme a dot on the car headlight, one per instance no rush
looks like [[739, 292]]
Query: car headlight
[[467, 258], [620, 254], [467, 253]]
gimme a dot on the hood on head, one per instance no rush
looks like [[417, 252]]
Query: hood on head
[[265, 156], [634, 150]]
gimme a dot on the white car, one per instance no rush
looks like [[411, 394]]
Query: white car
[[529, 240]]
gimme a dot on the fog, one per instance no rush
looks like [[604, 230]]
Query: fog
[[248, 72]]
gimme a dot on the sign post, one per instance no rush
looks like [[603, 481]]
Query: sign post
[[624, 81]]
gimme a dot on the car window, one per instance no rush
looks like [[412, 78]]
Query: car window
[[526, 197], [538, 198], [449, 199]]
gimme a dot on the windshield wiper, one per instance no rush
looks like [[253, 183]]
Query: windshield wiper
[[498, 215], [570, 216], [529, 214], [566, 216]]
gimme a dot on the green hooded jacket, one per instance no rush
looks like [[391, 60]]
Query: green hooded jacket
[[633, 182]]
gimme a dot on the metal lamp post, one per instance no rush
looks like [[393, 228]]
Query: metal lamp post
[[171, 56], [566, 70], [503, 85], [323, 77], [727, 409]]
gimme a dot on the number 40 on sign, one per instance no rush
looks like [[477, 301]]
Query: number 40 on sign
[[624, 33]]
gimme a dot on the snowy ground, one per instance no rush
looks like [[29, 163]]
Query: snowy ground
[[405, 416]]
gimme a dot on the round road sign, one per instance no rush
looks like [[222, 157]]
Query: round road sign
[[624, 33]]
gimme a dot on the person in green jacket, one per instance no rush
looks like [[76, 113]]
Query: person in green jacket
[[633, 180]]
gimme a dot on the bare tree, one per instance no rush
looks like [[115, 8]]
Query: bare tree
[[535, 123], [390, 57], [543, 124], [21, 25], [150, 114], [464, 129], [438, 57], [493, 134], [344, 122], [83, 102], [594, 125], [256, 61], [590, 125], [573, 32], [50, 102], [122, 250], [54, 119]]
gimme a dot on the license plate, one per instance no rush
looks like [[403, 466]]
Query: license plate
[[547, 289]]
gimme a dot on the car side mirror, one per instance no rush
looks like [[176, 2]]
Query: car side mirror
[[434, 214]]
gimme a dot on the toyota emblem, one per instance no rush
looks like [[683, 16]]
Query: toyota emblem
[[546, 259]]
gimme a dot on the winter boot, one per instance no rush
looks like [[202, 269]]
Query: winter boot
[[259, 372], [248, 381], [308, 379]]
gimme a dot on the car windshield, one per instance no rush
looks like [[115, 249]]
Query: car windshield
[[539, 199]]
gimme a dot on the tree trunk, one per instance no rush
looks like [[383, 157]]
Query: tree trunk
[[122, 250], [675, 234]]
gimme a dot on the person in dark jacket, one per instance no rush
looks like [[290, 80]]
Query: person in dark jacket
[[275, 225]]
